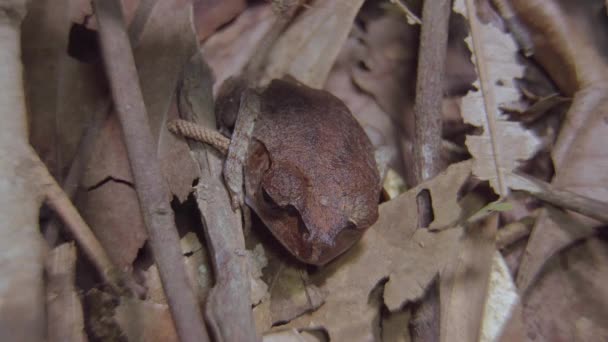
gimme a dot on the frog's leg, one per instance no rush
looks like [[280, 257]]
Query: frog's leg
[[249, 110]]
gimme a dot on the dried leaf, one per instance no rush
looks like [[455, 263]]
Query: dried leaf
[[568, 36], [145, 321], [228, 51], [376, 123], [211, 14], [62, 92], [309, 47], [498, 150], [569, 300], [292, 295], [257, 261], [112, 211], [198, 270], [395, 327], [65, 318], [464, 284], [290, 336]]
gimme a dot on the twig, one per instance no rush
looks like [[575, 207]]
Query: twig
[[228, 311], [65, 318], [61, 204], [428, 116], [429, 88], [200, 133], [560, 198], [151, 188]]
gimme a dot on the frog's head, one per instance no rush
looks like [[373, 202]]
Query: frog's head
[[313, 225]]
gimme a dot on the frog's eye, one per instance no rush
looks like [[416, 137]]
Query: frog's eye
[[268, 200], [303, 230], [351, 225]]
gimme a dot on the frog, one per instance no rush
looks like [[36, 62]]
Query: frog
[[309, 169], [302, 162]]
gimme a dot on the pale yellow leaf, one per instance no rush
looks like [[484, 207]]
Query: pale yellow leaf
[[498, 150], [310, 46]]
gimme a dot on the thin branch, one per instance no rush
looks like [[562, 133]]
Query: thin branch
[[560, 198], [428, 117], [152, 190], [429, 88], [228, 311], [63, 207], [200, 133], [65, 317]]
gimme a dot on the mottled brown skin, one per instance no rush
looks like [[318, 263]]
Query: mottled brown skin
[[310, 172]]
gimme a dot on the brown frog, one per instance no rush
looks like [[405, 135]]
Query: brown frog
[[308, 166]]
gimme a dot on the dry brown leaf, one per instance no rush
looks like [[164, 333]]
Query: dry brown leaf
[[228, 51], [211, 14], [464, 284], [387, 63], [145, 321], [65, 318], [109, 157], [62, 93], [257, 261], [309, 47], [395, 327], [112, 211], [197, 267], [292, 295], [393, 248], [503, 144], [376, 123], [569, 301], [567, 36], [291, 336]]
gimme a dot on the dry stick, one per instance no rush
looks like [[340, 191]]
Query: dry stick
[[61, 204], [150, 185], [200, 133], [429, 89], [560, 198], [427, 147], [65, 320], [228, 309]]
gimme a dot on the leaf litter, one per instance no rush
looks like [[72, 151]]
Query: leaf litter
[[368, 59]]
